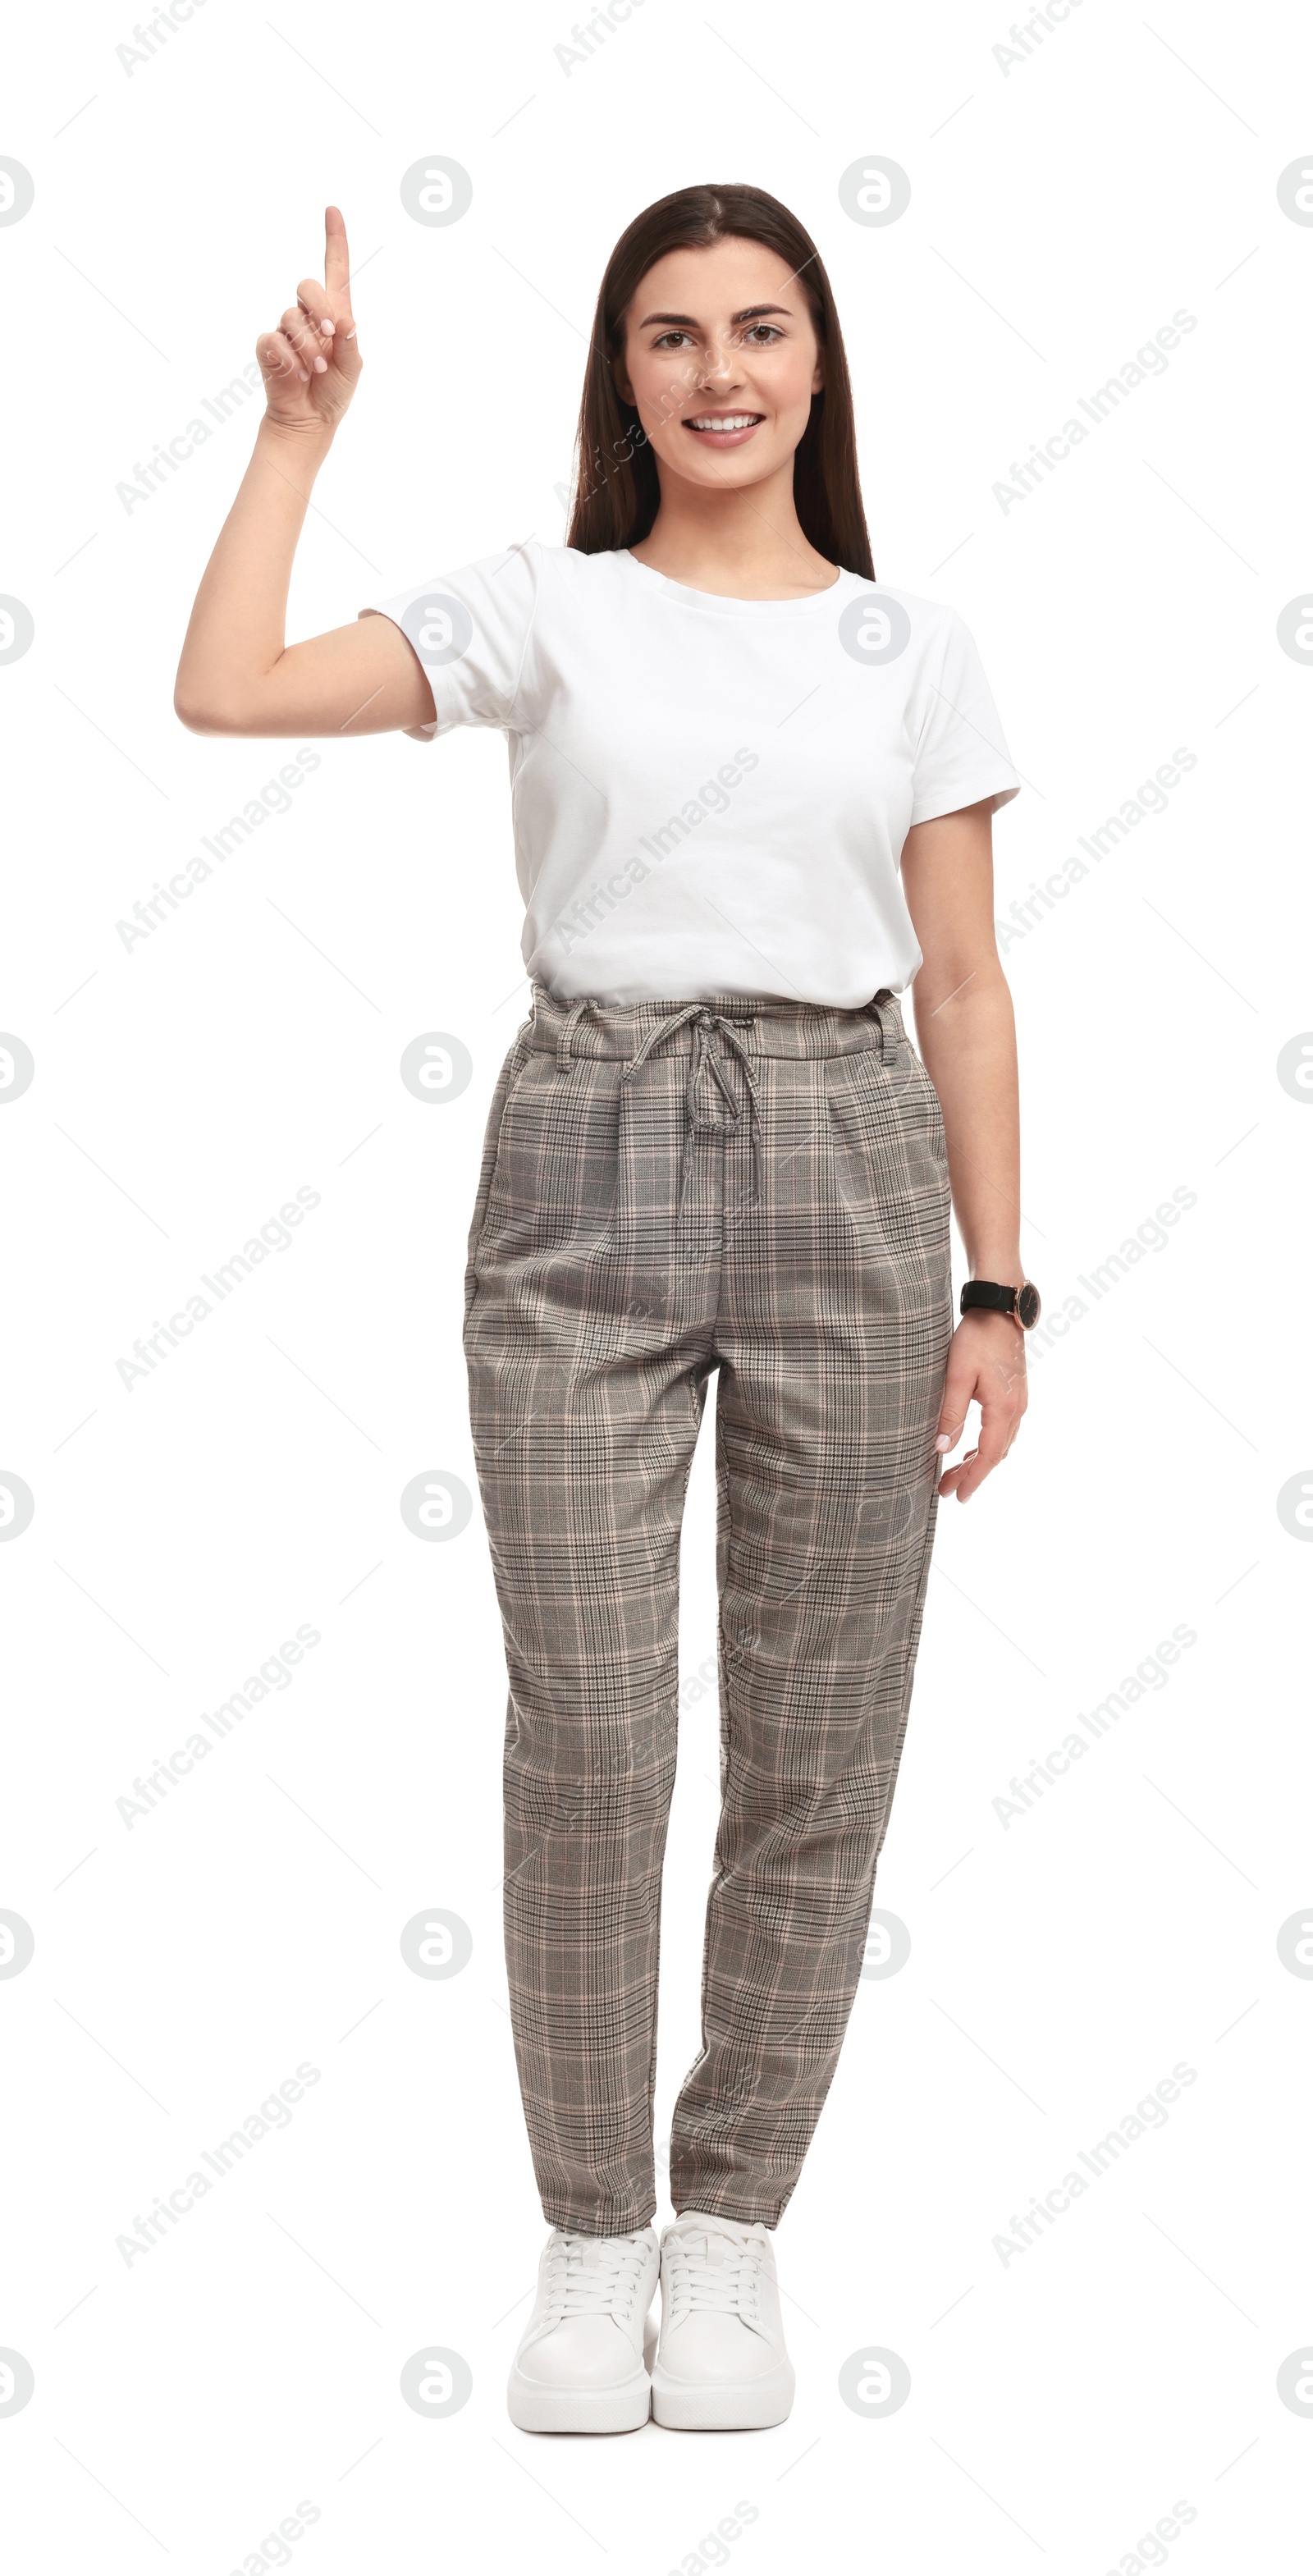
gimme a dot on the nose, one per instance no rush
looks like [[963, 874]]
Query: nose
[[718, 366]]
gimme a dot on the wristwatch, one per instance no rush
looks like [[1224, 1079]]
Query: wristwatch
[[1022, 1303]]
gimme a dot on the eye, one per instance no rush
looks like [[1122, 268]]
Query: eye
[[667, 339], [769, 328]]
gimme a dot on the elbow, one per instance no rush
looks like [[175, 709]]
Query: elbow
[[206, 715], [191, 712]]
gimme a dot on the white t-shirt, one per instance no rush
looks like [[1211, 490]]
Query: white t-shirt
[[710, 795]]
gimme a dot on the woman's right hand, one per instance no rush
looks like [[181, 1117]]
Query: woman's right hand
[[237, 674], [311, 363]]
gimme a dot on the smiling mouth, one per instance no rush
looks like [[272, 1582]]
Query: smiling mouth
[[724, 425]]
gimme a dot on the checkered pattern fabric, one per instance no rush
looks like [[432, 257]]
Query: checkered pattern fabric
[[758, 1186]]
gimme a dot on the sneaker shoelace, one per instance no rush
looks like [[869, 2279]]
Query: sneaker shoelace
[[593, 2276], [713, 2271]]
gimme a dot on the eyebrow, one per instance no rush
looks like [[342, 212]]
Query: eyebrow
[[750, 313]]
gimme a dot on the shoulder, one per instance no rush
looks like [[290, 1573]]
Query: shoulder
[[881, 622], [932, 621], [547, 575], [524, 591], [567, 568]]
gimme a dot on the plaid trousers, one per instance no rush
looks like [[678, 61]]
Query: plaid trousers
[[759, 1186]]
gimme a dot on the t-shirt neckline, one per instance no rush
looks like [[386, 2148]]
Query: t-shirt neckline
[[721, 603]]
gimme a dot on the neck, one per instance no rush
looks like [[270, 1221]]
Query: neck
[[746, 543]]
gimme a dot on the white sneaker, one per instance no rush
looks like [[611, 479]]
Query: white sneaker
[[580, 2365], [721, 2364]]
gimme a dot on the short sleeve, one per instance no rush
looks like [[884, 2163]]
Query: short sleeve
[[471, 630], [961, 756]]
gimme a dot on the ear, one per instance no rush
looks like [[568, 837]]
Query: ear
[[818, 378], [620, 379]]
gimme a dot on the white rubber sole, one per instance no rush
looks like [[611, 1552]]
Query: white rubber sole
[[735, 2406], [536, 2409]]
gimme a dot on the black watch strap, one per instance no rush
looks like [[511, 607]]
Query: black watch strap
[[998, 1298]]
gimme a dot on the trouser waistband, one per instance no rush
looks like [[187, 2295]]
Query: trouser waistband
[[765, 1024], [759, 1024]]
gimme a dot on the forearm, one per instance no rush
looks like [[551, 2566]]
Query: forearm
[[238, 625], [967, 1041]]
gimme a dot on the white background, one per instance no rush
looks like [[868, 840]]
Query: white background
[[1062, 209]]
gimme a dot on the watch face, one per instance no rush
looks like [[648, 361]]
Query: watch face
[[1028, 1305]]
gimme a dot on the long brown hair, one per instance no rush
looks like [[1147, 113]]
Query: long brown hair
[[616, 489]]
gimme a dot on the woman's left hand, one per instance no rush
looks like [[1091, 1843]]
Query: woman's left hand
[[987, 1365]]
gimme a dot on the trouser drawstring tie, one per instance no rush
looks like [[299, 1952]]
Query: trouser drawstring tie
[[703, 1020]]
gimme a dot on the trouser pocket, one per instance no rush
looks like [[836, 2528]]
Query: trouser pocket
[[513, 1065]]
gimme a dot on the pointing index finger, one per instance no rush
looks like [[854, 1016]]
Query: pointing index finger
[[337, 264]]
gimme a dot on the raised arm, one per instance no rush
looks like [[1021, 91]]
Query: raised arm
[[237, 674]]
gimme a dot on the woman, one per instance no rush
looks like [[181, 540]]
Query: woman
[[711, 1145]]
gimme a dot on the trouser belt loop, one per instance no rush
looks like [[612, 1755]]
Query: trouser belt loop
[[873, 1006], [567, 1030]]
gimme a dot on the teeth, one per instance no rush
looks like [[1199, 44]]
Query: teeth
[[730, 420]]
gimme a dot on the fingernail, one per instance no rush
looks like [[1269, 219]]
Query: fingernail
[[327, 326], [304, 374], [321, 366], [943, 1442]]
